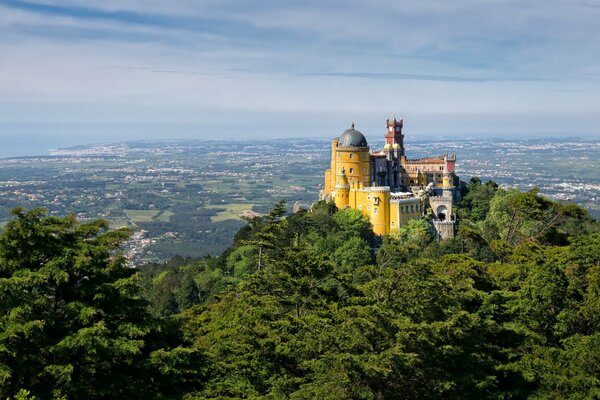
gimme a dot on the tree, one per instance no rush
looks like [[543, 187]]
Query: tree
[[351, 222], [475, 203], [516, 216], [353, 253], [72, 320], [409, 242]]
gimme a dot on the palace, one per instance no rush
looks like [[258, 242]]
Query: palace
[[390, 189]]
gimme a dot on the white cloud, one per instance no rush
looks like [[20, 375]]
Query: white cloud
[[276, 56]]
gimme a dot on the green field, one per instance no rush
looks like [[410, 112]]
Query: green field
[[232, 211], [165, 216], [141, 215], [118, 223]]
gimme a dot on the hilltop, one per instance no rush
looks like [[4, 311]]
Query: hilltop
[[302, 306]]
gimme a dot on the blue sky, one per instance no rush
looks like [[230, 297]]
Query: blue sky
[[228, 68]]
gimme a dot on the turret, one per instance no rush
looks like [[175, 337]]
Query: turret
[[394, 134], [342, 191], [447, 176], [380, 209], [332, 174]]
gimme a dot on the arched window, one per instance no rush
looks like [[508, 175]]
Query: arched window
[[441, 212]]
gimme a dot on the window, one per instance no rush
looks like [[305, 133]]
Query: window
[[364, 156], [364, 170], [412, 208], [368, 197], [360, 206], [351, 156], [401, 209], [375, 210], [339, 155], [368, 207], [376, 200], [351, 169]]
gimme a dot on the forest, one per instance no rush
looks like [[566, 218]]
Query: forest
[[310, 305]]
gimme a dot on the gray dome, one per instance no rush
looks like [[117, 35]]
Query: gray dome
[[352, 138]]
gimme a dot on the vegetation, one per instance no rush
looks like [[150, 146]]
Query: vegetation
[[303, 307], [73, 324]]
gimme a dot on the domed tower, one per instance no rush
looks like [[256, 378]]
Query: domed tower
[[352, 156]]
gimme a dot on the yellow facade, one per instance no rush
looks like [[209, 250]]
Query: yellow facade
[[447, 181], [380, 209], [403, 211], [376, 203], [349, 181], [342, 191], [355, 163]]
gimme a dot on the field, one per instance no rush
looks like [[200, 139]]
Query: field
[[141, 215], [232, 211], [165, 216]]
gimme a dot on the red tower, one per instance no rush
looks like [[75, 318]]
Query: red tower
[[394, 132]]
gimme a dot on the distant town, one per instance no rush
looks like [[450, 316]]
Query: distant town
[[190, 197]]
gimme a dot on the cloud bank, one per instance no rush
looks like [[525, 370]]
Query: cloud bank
[[449, 67]]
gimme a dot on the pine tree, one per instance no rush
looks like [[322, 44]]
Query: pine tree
[[72, 321]]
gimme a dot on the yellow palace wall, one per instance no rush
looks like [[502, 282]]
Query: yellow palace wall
[[355, 163], [386, 215]]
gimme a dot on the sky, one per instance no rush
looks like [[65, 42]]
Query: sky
[[75, 71]]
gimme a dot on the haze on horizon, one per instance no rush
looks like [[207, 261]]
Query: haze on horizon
[[73, 71]]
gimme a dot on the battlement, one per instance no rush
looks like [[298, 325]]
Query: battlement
[[380, 189]]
